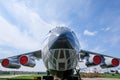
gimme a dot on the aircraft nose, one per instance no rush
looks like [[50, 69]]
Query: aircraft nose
[[62, 37], [63, 41]]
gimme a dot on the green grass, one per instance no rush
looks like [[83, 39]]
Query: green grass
[[110, 76], [31, 77]]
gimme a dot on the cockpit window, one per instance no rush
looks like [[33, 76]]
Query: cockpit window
[[62, 59], [67, 54], [62, 54], [54, 61], [56, 54]]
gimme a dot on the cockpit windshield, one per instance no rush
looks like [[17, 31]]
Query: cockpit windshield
[[63, 59]]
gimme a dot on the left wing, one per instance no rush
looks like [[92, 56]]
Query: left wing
[[26, 59], [93, 59]]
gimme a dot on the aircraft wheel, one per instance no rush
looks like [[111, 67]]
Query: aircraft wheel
[[47, 77], [72, 78]]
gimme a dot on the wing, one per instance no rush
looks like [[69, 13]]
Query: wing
[[93, 59], [26, 59]]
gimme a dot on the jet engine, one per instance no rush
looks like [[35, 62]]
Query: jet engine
[[93, 60], [26, 60], [109, 62], [10, 63]]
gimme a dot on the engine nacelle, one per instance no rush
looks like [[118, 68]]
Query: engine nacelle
[[10, 63], [93, 60], [27, 61], [109, 62]]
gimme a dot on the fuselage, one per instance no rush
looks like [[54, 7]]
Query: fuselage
[[60, 51]]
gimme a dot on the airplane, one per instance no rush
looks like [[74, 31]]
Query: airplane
[[61, 54]]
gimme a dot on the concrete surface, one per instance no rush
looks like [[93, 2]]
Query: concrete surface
[[9, 76]]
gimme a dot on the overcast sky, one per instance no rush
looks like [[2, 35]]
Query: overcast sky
[[24, 23]]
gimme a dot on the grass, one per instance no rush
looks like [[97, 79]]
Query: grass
[[110, 76], [26, 77], [93, 75], [32, 77], [29, 77]]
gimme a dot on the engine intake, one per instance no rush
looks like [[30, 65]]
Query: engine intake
[[7, 63], [93, 60], [110, 62], [115, 62], [27, 61]]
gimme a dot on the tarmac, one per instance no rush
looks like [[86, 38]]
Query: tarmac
[[9, 76]]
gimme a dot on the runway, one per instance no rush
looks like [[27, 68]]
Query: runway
[[9, 76], [12, 76]]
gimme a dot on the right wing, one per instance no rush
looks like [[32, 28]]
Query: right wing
[[93, 59], [26, 59]]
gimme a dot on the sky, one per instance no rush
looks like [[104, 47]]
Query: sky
[[25, 23]]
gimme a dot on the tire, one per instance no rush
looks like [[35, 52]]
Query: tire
[[71, 78], [47, 77]]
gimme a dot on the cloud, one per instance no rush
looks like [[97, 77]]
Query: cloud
[[10, 35], [89, 33], [22, 30], [26, 19], [98, 49], [28, 29], [57, 11], [106, 29]]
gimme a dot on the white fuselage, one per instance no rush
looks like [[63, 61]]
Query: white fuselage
[[60, 51]]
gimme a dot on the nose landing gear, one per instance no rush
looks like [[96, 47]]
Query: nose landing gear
[[64, 75]]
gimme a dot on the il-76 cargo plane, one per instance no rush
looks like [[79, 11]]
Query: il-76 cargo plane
[[60, 53]]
